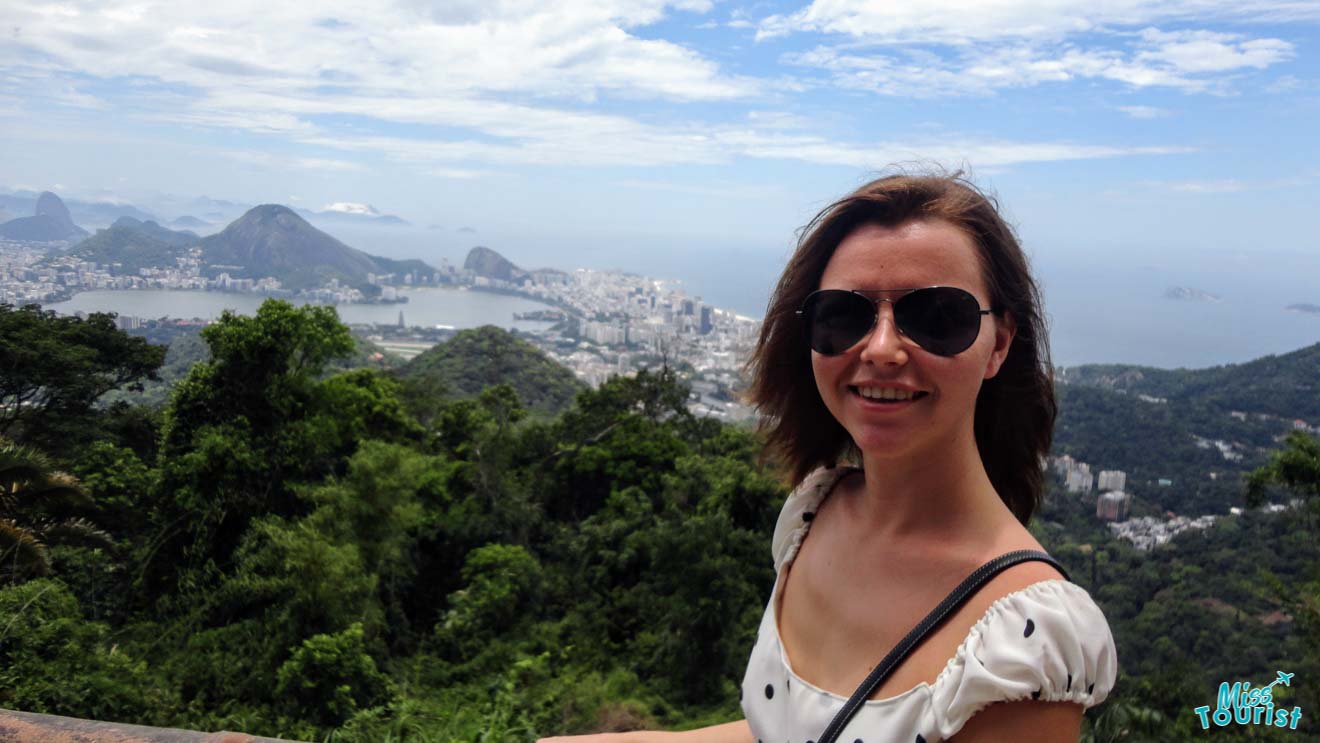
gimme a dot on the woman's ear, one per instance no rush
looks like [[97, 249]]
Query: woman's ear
[[1005, 330]]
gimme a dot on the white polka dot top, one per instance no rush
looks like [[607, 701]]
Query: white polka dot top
[[1047, 641]]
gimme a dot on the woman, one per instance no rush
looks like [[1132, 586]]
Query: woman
[[943, 402]]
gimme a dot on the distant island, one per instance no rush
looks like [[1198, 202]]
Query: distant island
[[1187, 293], [1306, 309]]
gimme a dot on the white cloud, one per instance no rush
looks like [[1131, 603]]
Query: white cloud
[[349, 207], [1182, 61], [1236, 185], [443, 87], [457, 173], [1226, 185], [1144, 112], [544, 49], [961, 21], [1285, 84], [1207, 51], [959, 47], [277, 161]]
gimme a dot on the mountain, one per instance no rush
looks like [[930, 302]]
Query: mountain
[[485, 262], [99, 214], [189, 222], [478, 357], [272, 240], [134, 245], [177, 238], [85, 213], [52, 222]]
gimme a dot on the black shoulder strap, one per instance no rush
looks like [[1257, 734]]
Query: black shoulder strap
[[932, 620]]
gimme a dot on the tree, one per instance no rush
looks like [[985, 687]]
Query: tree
[[54, 661], [1296, 467], [37, 505], [245, 427], [54, 368], [330, 677]]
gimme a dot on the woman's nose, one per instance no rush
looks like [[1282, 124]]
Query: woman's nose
[[884, 345]]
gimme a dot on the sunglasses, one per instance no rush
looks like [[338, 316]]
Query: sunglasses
[[943, 320]]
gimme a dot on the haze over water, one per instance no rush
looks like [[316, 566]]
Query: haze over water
[[1108, 309], [1104, 305], [425, 306]]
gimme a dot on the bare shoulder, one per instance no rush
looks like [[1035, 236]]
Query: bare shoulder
[[1024, 720], [1011, 579]]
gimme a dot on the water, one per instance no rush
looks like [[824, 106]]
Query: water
[[426, 306], [1115, 311], [1108, 307]]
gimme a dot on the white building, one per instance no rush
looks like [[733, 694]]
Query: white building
[[1112, 480], [1079, 479]]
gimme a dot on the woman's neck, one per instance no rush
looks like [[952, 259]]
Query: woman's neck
[[938, 499]]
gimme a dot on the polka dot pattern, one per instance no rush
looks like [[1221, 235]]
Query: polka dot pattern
[[1022, 647]]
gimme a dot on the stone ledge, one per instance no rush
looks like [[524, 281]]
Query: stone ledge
[[28, 727]]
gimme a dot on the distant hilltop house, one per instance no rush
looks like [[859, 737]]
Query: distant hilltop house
[[1113, 506], [1111, 480], [1076, 475]]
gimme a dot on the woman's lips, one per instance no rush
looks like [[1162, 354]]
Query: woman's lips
[[876, 404]]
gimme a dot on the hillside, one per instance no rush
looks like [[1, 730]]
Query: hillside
[[272, 240], [1285, 385], [1201, 429], [134, 245], [477, 358]]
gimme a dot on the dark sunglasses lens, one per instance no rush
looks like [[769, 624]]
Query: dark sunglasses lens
[[943, 320], [836, 320]]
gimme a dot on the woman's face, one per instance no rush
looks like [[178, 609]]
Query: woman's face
[[942, 390]]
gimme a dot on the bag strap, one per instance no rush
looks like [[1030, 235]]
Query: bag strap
[[937, 616]]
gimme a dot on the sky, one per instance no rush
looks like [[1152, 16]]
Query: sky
[[656, 135]]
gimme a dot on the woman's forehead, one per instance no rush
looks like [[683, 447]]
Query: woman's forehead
[[909, 255]]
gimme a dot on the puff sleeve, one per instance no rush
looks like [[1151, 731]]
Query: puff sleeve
[[1048, 641], [799, 508]]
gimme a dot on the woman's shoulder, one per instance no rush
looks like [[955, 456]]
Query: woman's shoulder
[[1047, 641], [800, 508]]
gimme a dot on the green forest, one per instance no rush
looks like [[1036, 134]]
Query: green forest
[[263, 531]]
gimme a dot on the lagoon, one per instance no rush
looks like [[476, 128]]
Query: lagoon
[[426, 306]]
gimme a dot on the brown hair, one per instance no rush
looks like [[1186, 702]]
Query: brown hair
[[1015, 410]]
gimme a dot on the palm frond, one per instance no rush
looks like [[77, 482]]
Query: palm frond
[[21, 552], [20, 463], [55, 490], [77, 530]]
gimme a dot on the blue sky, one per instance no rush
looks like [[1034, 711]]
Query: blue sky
[[639, 131]]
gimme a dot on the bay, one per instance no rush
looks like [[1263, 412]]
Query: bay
[[426, 306]]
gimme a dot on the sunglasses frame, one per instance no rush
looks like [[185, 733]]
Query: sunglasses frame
[[875, 317]]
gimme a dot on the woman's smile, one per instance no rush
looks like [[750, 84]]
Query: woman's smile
[[886, 398]]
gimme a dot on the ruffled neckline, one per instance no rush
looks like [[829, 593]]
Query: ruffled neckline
[[958, 660], [816, 495]]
